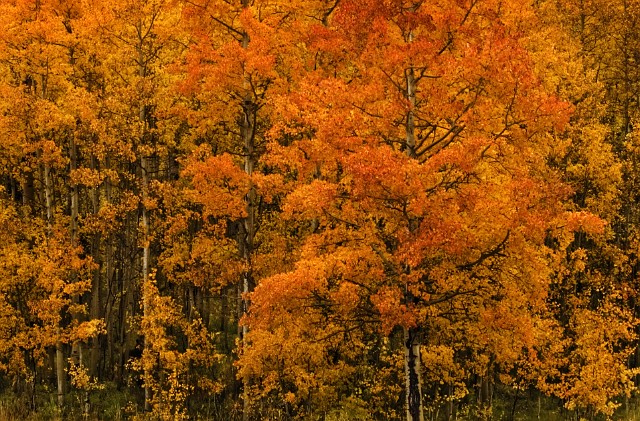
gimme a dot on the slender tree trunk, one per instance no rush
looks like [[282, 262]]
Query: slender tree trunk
[[145, 269], [60, 374], [112, 276], [48, 193], [225, 313], [247, 130], [124, 294], [96, 289], [192, 302], [77, 351], [28, 195], [513, 405], [413, 384], [449, 406], [73, 234], [410, 127], [60, 370], [145, 167]]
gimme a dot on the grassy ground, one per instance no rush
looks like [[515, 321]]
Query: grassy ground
[[110, 403], [116, 405]]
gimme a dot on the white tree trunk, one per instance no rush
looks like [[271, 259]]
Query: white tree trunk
[[413, 383]]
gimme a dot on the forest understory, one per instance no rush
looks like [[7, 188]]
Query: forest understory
[[110, 403]]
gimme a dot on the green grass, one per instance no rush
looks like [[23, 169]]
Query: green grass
[[106, 404], [112, 404]]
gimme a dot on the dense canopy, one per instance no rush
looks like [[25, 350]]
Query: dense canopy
[[319, 209]]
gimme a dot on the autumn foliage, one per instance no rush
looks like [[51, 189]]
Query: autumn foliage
[[319, 209]]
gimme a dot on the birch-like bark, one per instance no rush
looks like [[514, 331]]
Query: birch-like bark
[[76, 351], [247, 130], [96, 293], [145, 269], [413, 381], [48, 194], [60, 373], [144, 164]]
